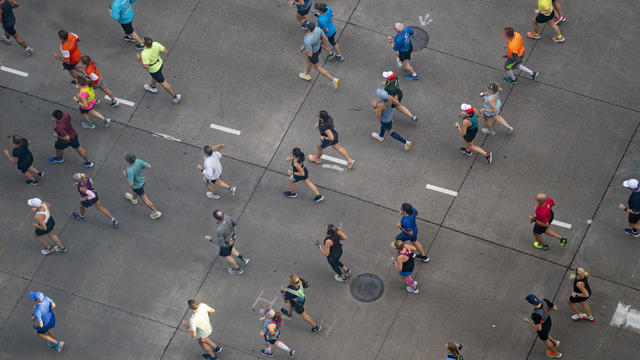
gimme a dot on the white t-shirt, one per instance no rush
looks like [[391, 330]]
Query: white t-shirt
[[212, 167], [200, 321]]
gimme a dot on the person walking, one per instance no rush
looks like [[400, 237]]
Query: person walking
[[409, 229], [558, 19], [299, 172], [272, 326], [293, 295], [468, 130], [545, 13], [454, 350], [579, 296], [8, 23], [149, 58], [392, 86], [226, 239], [543, 218], [122, 12], [332, 249], [66, 136], [403, 47], [328, 137], [384, 112], [404, 264], [44, 319], [514, 55], [95, 80], [135, 178], [325, 22], [22, 157], [633, 207], [212, 170], [302, 10], [86, 100], [89, 195], [541, 323], [491, 109], [199, 326], [44, 225], [312, 48], [71, 55]]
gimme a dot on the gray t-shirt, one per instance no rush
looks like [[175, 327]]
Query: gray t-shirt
[[313, 40], [224, 232]]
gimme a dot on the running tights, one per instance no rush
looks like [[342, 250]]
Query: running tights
[[521, 67], [335, 262], [280, 345], [393, 135]]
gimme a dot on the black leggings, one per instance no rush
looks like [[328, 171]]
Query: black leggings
[[334, 261]]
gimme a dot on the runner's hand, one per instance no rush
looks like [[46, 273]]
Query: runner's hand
[[207, 237], [620, 206], [199, 167]]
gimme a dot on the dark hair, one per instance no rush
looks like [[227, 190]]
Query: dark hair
[[218, 214], [277, 317], [193, 304], [82, 80], [509, 31], [130, 157], [325, 118], [493, 86], [322, 7], [17, 139], [209, 149], [331, 229], [57, 114], [298, 154], [406, 207], [63, 35], [85, 59], [148, 41]]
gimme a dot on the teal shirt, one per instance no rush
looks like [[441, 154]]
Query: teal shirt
[[135, 175], [474, 121]]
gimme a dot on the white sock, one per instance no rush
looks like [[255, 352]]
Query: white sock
[[525, 69], [414, 74], [282, 346], [510, 74]]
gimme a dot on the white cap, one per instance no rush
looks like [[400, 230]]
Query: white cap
[[465, 107], [631, 184], [35, 202], [267, 312], [386, 74]]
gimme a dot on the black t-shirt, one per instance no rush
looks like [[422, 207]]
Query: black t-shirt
[[8, 19], [22, 152], [292, 296], [634, 201], [393, 89]]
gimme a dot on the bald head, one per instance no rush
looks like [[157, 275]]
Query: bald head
[[541, 198], [399, 27]]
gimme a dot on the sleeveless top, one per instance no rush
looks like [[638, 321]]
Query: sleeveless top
[[586, 286], [45, 212], [407, 266], [474, 121], [304, 168], [8, 19], [488, 105], [336, 247], [387, 115], [268, 335], [91, 100]]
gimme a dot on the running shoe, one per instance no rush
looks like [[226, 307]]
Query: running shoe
[[32, 182], [55, 160], [509, 130], [77, 216], [115, 103], [139, 46], [340, 57], [486, 131], [315, 159], [541, 247], [86, 125], [412, 290], [414, 118], [217, 349], [350, 164], [464, 151], [535, 75], [563, 242], [578, 317], [233, 190], [304, 76], [630, 231], [60, 249], [265, 353], [590, 318], [553, 354], [318, 198], [560, 39], [377, 136], [532, 35], [285, 312], [97, 101], [150, 88], [130, 197], [407, 145], [28, 51], [88, 164], [41, 174], [336, 83], [50, 344], [510, 80], [292, 353], [338, 278], [5, 39], [115, 223], [106, 122], [59, 346], [46, 251], [208, 357], [557, 343], [559, 20], [423, 258], [211, 195], [489, 157], [414, 77], [155, 215], [128, 38], [289, 194], [415, 283], [245, 260], [176, 99], [332, 54], [316, 329], [237, 271]]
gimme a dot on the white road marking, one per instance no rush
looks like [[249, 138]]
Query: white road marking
[[225, 129], [167, 137], [424, 21], [122, 101], [627, 317], [14, 71], [334, 159], [334, 167], [562, 224], [442, 190], [261, 299]]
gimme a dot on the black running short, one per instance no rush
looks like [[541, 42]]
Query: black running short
[[543, 334], [577, 299], [332, 39], [61, 145], [634, 218], [158, 76], [88, 203], [50, 225], [470, 135], [542, 18], [225, 251], [9, 29], [297, 306], [139, 191], [314, 59], [128, 28], [305, 11], [66, 66], [405, 55]]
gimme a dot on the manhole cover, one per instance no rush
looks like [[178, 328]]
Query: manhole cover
[[420, 39], [366, 287]]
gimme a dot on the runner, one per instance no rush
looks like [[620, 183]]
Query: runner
[[95, 80], [468, 130], [135, 178], [541, 323], [409, 229], [86, 100], [199, 326], [384, 112], [122, 12], [8, 23], [633, 210], [580, 294], [545, 14], [293, 294], [84, 185], [312, 48], [272, 325], [404, 264], [300, 173], [212, 170], [328, 137], [559, 19], [70, 54], [454, 350], [333, 251], [543, 218], [150, 59], [44, 225], [22, 157], [491, 109], [225, 239], [392, 86], [66, 136], [515, 52], [325, 22], [403, 48], [302, 9], [44, 320]]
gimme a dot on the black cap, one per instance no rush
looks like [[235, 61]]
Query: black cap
[[308, 25], [322, 7]]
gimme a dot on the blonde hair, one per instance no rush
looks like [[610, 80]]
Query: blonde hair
[[582, 273], [398, 244], [295, 280], [80, 177]]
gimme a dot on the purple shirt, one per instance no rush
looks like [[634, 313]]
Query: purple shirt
[[64, 128]]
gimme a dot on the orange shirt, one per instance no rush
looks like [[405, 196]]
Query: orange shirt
[[92, 72], [515, 45], [69, 49]]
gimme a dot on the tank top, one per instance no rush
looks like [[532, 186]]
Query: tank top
[[268, 335], [92, 96], [586, 285], [306, 172], [336, 247], [387, 114], [45, 212], [407, 266], [488, 105], [474, 121], [8, 19]]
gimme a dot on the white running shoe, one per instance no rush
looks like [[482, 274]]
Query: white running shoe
[[176, 99], [211, 195], [486, 131], [150, 88]]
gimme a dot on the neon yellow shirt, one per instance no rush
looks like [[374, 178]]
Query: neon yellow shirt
[[151, 56], [545, 6]]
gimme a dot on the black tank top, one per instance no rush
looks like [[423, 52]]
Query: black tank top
[[407, 266], [7, 14], [336, 247], [586, 285], [306, 172]]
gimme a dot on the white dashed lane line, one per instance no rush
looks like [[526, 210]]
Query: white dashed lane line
[[334, 159], [225, 129], [626, 317], [14, 71], [442, 190], [562, 224], [122, 101]]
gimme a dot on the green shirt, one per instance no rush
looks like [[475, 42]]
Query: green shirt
[[545, 5], [151, 56]]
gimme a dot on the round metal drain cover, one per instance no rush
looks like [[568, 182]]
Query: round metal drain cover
[[366, 287], [420, 39]]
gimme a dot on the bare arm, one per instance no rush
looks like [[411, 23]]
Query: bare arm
[[14, 3], [146, 66], [327, 247], [328, 135], [11, 158], [298, 167]]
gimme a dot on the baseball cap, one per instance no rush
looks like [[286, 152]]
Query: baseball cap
[[308, 25], [532, 299], [383, 94], [631, 183], [35, 202], [389, 75], [37, 296], [467, 108], [321, 7]]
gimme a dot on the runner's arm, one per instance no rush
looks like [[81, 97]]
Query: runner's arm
[[11, 158], [583, 291], [327, 247], [328, 135], [298, 167], [14, 3]]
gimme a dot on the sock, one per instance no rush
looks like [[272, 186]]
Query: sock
[[268, 350], [382, 130], [414, 74], [282, 346], [398, 137], [240, 256], [510, 74], [525, 69]]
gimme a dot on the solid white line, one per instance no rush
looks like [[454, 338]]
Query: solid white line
[[625, 316], [167, 137], [122, 101], [442, 190], [562, 224], [331, 166], [225, 129], [14, 71], [334, 159]]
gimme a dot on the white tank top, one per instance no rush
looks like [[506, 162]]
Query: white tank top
[[45, 212]]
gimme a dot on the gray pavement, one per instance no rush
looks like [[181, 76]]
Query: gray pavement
[[121, 294]]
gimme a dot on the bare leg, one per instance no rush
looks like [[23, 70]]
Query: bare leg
[[487, 121], [43, 241], [82, 210], [73, 74], [557, 8], [48, 336], [301, 18], [555, 28], [635, 226], [59, 154], [309, 66], [33, 170], [342, 151], [538, 238], [407, 67], [586, 307], [103, 210], [501, 120], [323, 72], [232, 261], [308, 319], [536, 27], [320, 152], [292, 186], [148, 202], [312, 187], [210, 187], [403, 109], [235, 252], [167, 87], [573, 307], [553, 233], [154, 83], [55, 239], [18, 38], [109, 93], [80, 150], [551, 343], [326, 47], [28, 176], [85, 117], [223, 184], [337, 49], [206, 347], [211, 343], [136, 37], [474, 147], [96, 114], [419, 247]]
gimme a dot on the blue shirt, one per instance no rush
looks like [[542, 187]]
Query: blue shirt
[[135, 175], [43, 312], [326, 23], [408, 222], [305, 6], [402, 41], [122, 11]]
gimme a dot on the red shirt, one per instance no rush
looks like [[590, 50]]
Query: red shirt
[[543, 212], [64, 128]]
